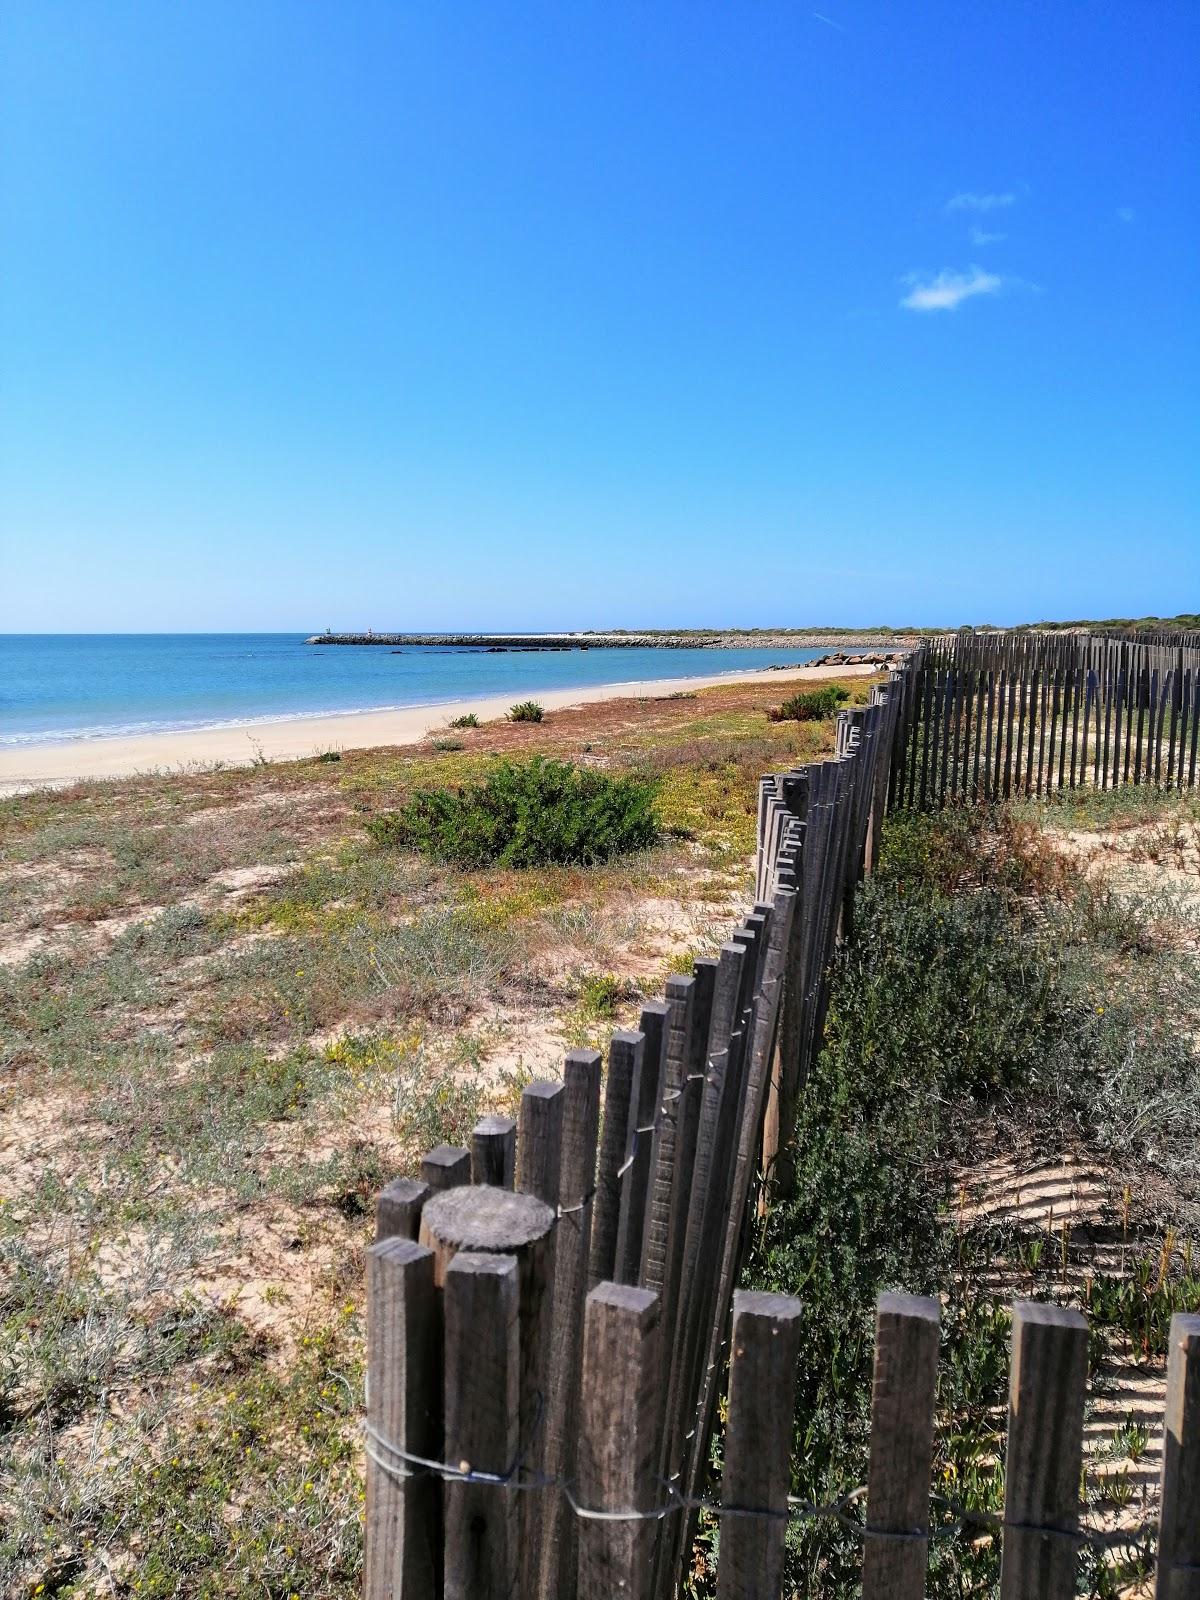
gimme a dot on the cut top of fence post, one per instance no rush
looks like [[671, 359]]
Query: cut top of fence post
[[477, 1217], [398, 1208], [446, 1167], [539, 1142], [494, 1152]]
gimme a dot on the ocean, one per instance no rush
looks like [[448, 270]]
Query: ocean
[[90, 686]]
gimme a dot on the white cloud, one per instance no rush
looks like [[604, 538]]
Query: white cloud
[[980, 202], [982, 236], [1124, 213], [949, 289]]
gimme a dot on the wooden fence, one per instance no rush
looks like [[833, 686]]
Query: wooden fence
[[552, 1317], [996, 715]]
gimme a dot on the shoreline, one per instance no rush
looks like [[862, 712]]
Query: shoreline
[[54, 764]]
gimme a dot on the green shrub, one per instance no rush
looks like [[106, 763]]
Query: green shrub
[[468, 720], [448, 744], [527, 814], [955, 1006], [600, 994], [938, 1008], [810, 705], [526, 711]]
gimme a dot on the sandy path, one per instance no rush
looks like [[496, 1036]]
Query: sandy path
[[45, 765]]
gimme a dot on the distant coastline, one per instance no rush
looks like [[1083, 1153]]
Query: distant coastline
[[91, 689], [631, 639]]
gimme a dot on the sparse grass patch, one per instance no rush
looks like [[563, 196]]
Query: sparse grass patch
[[496, 901], [1129, 806], [154, 1503], [1140, 1305], [715, 805], [437, 1106]]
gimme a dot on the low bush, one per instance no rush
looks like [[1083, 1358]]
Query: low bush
[[468, 720], [444, 744], [527, 814], [810, 705], [600, 994], [526, 711], [960, 1005]]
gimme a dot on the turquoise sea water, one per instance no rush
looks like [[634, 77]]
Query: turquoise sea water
[[87, 686]]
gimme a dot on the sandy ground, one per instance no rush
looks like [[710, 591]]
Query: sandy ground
[[51, 764]]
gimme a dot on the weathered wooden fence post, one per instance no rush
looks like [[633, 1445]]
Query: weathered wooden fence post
[[403, 1559], [539, 1141], [482, 1433], [1178, 1571], [398, 1208], [616, 1442], [577, 1176], [624, 1066], [758, 1445], [499, 1222], [645, 1100], [1047, 1388], [494, 1152], [896, 1552], [446, 1167]]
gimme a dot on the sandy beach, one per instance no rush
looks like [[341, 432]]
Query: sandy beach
[[34, 766]]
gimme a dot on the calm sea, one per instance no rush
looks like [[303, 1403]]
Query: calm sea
[[87, 686]]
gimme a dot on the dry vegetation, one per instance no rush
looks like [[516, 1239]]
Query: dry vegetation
[[226, 1017]]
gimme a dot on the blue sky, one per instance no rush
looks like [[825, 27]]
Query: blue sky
[[530, 315]]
